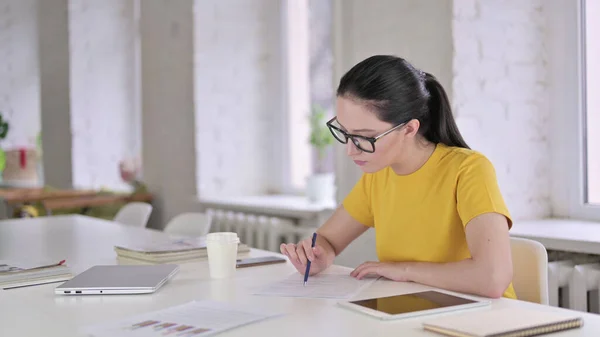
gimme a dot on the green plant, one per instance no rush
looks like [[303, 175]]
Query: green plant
[[320, 136], [38, 143], [3, 127], [3, 132]]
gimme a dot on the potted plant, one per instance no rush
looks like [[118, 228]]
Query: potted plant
[[3, 133], [321, 184]]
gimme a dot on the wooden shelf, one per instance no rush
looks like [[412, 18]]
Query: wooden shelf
[[92, 201]]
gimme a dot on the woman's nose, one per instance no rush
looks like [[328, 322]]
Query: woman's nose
[[351, 148]]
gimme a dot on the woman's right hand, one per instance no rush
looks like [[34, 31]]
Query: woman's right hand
[[299, 254]]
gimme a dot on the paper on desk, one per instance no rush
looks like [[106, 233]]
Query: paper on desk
[[337, 286], [197, 318]]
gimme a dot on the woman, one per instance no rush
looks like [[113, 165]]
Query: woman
[[435, 204]]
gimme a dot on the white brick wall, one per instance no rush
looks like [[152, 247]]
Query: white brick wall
[[499, 91], [19, 73], [238, 95], [103, 112], [168, 124], [500, 94]]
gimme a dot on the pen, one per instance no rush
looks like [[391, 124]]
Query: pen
[[314, 240]]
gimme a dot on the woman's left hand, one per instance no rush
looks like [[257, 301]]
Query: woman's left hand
[[394, 271]]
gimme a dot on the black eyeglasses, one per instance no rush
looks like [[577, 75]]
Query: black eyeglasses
[[366, 144]]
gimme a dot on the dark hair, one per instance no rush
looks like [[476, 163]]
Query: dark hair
[[398, 92]]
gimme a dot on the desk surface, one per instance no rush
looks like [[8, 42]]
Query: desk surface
[[84, 242]]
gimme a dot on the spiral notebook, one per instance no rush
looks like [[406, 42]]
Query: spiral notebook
[[508, 322]]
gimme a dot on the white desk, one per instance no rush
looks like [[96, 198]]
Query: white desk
[[36, 311]]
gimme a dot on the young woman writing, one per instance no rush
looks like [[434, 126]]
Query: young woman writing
[[435, 204]]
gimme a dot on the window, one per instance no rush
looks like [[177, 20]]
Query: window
[[574, 54], [591, 99], [308, 69], [253, 132], [296, 128]]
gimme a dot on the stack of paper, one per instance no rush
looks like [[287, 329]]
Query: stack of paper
[[20, 274], [198, 318], [169, 251], [322, 285]]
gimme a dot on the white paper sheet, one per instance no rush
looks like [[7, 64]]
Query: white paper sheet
[[339, 286], [198, 318]]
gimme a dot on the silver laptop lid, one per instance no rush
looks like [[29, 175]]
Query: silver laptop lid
[[120, 279]]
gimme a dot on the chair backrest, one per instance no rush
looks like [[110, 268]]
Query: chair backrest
[[530, 270], [134, 214], [189, 224]]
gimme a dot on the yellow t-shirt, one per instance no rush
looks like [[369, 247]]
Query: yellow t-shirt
[[422, 216]]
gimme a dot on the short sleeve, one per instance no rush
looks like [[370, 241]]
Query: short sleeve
[[477, 190], [358, 202]]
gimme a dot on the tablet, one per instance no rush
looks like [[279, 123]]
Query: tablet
[[412, 304]]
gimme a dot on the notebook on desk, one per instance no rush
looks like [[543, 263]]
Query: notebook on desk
[[169, 251], [15, 274], [508, 322]]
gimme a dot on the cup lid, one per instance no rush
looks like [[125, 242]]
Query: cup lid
[[223, 237]]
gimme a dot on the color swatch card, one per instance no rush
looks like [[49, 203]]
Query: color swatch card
[[193, 319]]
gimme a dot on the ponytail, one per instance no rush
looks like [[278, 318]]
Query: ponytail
[[441, 127], [398, 92]]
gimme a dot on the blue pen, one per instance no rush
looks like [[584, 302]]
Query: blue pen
[[314, 240]]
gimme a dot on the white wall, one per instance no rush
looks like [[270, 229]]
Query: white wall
[[238, 95], [493, 61], [55, 101], [168, 123], [419, 31], [491, 56], [103, 106], [19, 72], [501, 91]]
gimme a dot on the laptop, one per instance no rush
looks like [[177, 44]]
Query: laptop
[[118, 279]]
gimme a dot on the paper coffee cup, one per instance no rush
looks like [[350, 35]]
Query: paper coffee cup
[[222, 254]]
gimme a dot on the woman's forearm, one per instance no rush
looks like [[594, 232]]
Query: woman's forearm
[[465, 276], [327, 246]]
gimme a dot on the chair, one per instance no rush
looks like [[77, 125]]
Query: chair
[[134, 214], [189, 224], [530, 270]]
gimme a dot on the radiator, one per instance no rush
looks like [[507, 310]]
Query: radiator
[[258, 231], [574, 286]]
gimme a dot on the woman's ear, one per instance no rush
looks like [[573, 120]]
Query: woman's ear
[[412, 127]]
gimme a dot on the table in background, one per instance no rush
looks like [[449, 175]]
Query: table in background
[[84, 242], [52, 200], [15, 197]]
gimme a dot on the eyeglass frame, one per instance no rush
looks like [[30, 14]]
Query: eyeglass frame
[[347, 135]]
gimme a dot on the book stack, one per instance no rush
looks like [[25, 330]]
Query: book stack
[[180, 250], [15, 274]]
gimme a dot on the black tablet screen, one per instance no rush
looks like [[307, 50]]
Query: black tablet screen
[[400, 304]]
